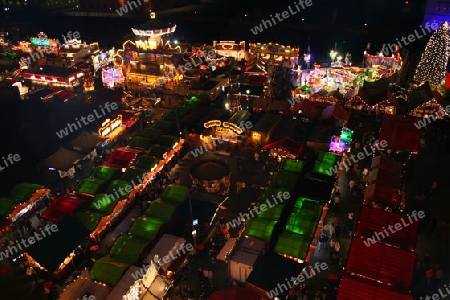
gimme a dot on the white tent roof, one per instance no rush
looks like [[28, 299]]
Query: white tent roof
[[83, 285], [125, 283], [158, 289], [168, 244]]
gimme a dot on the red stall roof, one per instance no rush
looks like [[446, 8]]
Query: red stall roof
[[384, 177], [356, 288], [382, 194], [400, 132], [383, 162], [379, 261], [287, 144], [123, 157], [373, 220], [62, 205]]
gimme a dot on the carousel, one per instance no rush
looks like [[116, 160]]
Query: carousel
[[211, 176]]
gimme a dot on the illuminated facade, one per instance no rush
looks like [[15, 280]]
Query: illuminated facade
[[272, 55], [150, 55]]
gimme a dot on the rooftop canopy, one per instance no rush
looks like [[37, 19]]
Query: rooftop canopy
[[291, 165], [293, 245], [89, 219], [146, 228], [108, 271], [146, 163], [22, 192], [164, 126], [260, 228], [102, 203], [127, 249], [105, 173], [163, 211], [158, 151], [151, 133], [118, 189], [6, 206], [132, 174], [168, 141], [285, 179], [122, 158], [175, 193], [89, 186], [140, 142], [273, 211]]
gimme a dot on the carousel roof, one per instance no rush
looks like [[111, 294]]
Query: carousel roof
[[153, 27]]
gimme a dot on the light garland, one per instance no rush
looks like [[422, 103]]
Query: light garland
[[432, 65]]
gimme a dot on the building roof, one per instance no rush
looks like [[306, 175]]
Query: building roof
[[54, 71]]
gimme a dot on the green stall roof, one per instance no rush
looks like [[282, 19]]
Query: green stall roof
[[327, 157], [291, 165], [151, 133], [118, 189], [22, 192], [292, 244], [273, 211], [260, 228], [303, 203], [272, 190], [146, 162], [104, 173], [164, 126], [103, 204], [146, 228], [163, 211], [108, 271], [135, 175], [301, 225], [285, 179], [127, 249], [158, 151], [324, 168], [140, 142], [6, 206], [89, 186], [175, 193], [168, 141], [89, 219]]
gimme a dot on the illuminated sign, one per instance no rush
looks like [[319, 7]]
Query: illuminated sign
[[233, 127], [213, 123], [227, 125], [109, 125], [40, 42]]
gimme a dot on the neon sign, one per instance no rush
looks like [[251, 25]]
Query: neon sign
[[228, 125]]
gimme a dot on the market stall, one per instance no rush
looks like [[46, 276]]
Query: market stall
[[366, 289], [64, 205], [375, 220], [284, 148], [161, 210], [128, 248], [260, 228], [381, 262], [260, 133], [140, 143], [123, 157], [285, 179], [400, 132], [85, 143], [63, 160], [382, 196], [84, 286], [108, 271]]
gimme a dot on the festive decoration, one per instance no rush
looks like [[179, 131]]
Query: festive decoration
[[432, 65], [429, 108]]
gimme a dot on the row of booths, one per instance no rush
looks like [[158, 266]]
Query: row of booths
[[100, 201], [284, 235]]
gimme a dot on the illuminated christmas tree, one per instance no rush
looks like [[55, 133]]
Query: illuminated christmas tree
[[432, 65]]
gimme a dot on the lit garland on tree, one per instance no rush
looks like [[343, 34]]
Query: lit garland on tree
[[432, 64]]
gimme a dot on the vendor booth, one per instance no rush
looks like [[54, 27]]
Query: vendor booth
[[84, 286], [63, 160], [375, 220]]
